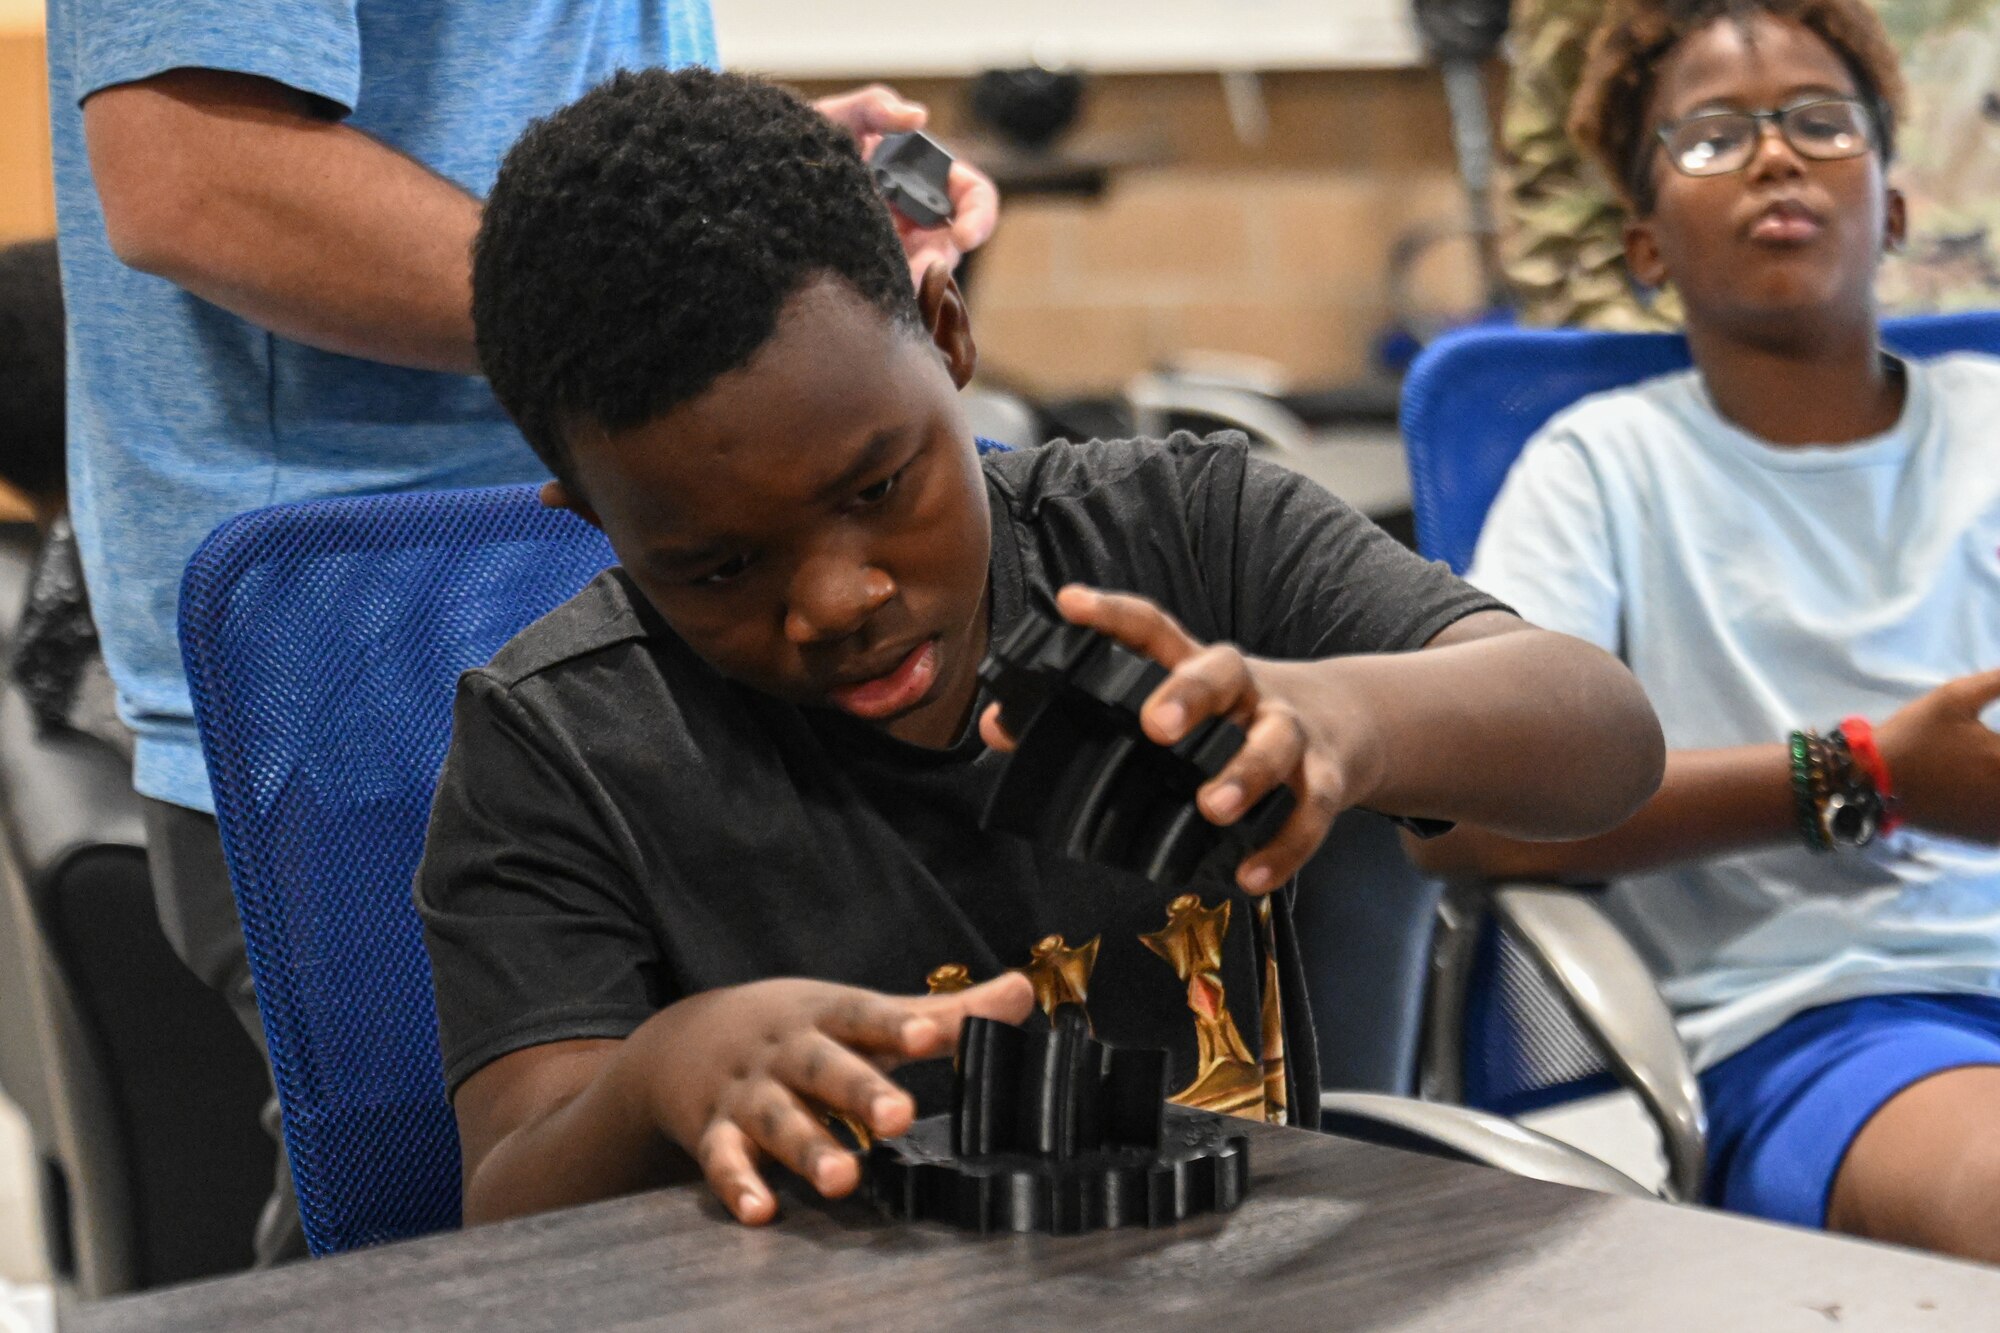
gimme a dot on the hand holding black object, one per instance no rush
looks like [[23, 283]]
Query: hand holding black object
[[744, 1073], [1321, 747]]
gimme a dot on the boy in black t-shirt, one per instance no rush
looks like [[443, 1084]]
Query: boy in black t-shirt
[[708, 830]]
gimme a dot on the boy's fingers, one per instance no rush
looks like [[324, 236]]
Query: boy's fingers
[[1133, 621], [1275, 748], [1979, 689], [1007, 998], [992, 732], [1281, 858], [823, 1071], [786, 1129], [879, 1025], [1214, 682], [728, 1162]]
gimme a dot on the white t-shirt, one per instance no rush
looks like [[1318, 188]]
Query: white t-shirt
[[1754, 589]]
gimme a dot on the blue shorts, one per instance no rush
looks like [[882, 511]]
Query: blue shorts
[[1782, 1112]]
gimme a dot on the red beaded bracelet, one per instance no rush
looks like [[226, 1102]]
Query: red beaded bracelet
[[1859, 734]]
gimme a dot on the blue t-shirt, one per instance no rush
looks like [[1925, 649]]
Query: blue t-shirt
[[181, 414]]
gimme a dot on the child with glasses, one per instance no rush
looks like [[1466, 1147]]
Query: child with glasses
[[1796, 547]]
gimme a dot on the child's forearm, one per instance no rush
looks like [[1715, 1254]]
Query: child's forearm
[[1514, 729], [575, 1126], [1712, 803]]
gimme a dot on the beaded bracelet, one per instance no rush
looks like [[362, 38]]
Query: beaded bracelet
[[1834, 794], [1805, 792]]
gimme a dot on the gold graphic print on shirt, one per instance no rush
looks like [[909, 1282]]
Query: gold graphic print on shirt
[[948, 979], [1227, 1077], [1060, 974], [1273, 1018]]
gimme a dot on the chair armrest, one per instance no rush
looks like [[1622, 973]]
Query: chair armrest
[[1475, 1136], [1613, 997], [1154, 398]]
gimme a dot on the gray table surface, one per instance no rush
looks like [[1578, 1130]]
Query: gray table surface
[[1335, 1235]]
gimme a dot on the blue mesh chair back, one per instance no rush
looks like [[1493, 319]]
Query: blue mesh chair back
[[323, 642], [323, 645], [1471, 402]]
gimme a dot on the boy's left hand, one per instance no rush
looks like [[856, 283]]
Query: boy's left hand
[[1301, 731], [871, 112]]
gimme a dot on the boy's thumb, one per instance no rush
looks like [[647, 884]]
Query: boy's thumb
[[1979, 689]]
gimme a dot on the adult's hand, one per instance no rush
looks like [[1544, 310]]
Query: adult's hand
[[871, 112]]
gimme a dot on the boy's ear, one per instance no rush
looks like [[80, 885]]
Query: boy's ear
[[1642, 254], [942, 306], [1895, 219], [555, 495]]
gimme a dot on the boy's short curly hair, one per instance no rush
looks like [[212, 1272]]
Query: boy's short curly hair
[[1608, 116], [32, 430], [641, 241]]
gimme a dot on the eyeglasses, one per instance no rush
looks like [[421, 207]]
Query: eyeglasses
[[1715, 143]]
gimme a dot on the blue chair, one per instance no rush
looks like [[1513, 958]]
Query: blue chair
[[323, 643], [1553, 1004]]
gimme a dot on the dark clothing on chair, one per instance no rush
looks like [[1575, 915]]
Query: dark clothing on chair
[[55, 657], [198, 914], [617, 826]]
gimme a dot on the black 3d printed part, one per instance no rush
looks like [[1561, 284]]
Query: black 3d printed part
[[912, 171], [1055, 1131], [1084, 780]]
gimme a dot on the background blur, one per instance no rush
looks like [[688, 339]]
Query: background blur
[[1267, 233]]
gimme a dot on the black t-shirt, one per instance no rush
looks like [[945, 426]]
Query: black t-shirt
[[618, 826]]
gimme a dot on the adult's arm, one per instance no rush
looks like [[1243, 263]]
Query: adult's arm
[[248, 194]]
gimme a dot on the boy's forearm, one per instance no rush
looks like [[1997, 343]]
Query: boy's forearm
[[598, 1143], [1712, 803], [1511, 728]]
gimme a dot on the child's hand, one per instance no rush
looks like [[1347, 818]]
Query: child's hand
[[1296, 735], [1944, 762], [748, 1072]]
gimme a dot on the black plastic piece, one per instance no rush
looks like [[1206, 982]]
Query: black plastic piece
[[1055, 1131], [913, 171], [1085, 780]]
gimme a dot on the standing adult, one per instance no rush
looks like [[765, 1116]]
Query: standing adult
[[266, 211]]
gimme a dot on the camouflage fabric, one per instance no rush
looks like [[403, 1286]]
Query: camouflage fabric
[[1560, 224], [1561, 228]]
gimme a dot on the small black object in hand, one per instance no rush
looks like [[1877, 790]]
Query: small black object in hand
[[913, 173]]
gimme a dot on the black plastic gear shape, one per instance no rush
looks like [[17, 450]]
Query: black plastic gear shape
[[913, 172], [1055, 1131], [1084, 780]]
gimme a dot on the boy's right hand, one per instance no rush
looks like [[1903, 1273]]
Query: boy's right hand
[[747, 1072], [1944, 763]]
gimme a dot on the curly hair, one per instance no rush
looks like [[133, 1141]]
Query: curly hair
[[640, 242], [1620, 70], [31, 369]]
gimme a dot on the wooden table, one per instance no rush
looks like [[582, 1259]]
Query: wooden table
[[1336, 1235]]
